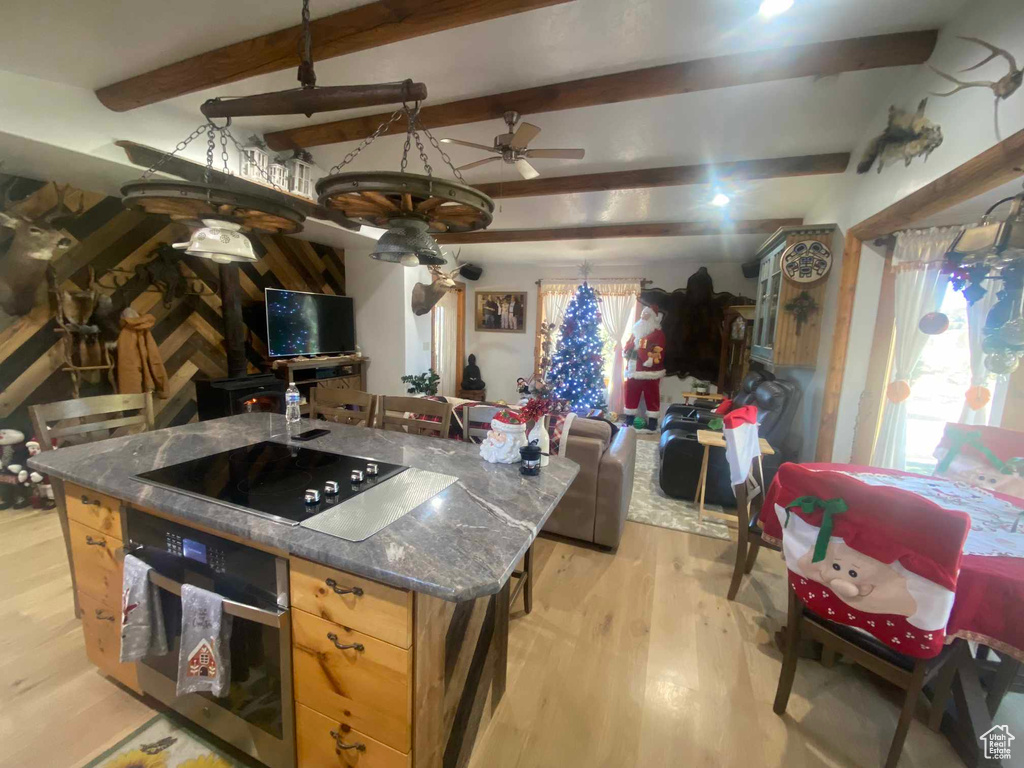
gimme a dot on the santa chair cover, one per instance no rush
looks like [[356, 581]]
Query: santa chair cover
[[741, 442], [879, 559], [723, 407], [988, 457]]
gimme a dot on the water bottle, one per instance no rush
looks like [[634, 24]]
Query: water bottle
[[291, 399]]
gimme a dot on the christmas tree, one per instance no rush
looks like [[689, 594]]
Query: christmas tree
[[577, 367]]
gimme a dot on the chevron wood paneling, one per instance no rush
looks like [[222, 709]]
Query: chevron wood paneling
[[189, 330]]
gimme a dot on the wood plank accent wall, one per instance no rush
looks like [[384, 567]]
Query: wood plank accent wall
[[189, 331], [792, 348]]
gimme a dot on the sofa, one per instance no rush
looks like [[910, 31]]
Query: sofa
[[595, 506], [681, 455]]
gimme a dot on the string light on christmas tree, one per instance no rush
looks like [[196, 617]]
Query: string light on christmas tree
[[577, 367]]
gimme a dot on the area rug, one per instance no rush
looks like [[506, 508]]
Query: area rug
[[651, 506], [163, 743]]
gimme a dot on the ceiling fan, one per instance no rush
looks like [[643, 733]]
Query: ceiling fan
[[512, 147]]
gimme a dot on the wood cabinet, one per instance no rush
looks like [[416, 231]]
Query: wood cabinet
[[323, 743], [781, 338], [352, 601]]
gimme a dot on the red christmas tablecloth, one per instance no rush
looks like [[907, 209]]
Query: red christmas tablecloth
[[990, 590]]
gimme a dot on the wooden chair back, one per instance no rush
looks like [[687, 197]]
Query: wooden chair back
[[477, 415], [411, 414], [343, 406], [87, 416]]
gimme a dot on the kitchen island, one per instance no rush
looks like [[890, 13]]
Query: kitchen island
[[394, 648]]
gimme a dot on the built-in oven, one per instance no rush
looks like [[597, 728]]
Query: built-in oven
[[257, 714]]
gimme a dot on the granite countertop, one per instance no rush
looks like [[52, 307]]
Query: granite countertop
[[461, 544]]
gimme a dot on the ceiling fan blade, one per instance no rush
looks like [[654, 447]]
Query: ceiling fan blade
[[565, 154], [526, 170], [467, 166], [484, 147], [525, 133]]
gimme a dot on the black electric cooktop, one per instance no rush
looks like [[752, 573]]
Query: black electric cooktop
[[271, 479]]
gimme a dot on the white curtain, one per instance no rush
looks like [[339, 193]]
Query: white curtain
[[920, 287], [445, 333], [555, 303], [618, 302], [976, 314]]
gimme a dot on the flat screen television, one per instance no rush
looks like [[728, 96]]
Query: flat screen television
[[309, 323]]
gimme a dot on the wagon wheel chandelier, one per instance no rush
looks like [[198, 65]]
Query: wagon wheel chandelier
[[269, 211], [410, 206]]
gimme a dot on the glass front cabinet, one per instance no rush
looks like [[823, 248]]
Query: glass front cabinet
[[794, 266]]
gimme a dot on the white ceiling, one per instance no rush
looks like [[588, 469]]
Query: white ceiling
[[93, 44]]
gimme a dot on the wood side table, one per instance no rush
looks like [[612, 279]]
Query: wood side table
[[711, 439]]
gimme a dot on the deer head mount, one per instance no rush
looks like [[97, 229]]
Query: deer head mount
[[37, 241], [425, 296], [1003, 88]]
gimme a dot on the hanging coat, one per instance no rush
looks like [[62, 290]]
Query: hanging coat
[[139, 367]]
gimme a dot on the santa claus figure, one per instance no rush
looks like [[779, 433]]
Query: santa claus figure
[[645, 366]]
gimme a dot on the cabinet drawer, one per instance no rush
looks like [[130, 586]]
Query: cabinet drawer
[[96, 510], [319, 740], [365, 688], [97, 569], [361, 604], [102, 628]]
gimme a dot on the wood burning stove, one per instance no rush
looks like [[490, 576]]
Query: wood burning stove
[[239, 394]]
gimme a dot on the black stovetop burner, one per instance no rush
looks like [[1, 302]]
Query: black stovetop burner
[[271, 479]]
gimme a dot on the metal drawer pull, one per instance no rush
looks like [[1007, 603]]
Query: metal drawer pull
[[101, 617], [94, 503], [95, 542], [340, 745], [341, 646], [357, 591]]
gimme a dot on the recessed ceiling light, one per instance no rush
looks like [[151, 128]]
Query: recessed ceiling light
[[720, 200], [771, 8]]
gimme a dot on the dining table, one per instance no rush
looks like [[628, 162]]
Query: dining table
[[988, 607]]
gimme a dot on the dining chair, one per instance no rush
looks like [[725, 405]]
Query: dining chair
[[986, 457], [886, 613], [343, 406], [89, 416], [415, 415], [748, 533], [476, 421], [87, 419]]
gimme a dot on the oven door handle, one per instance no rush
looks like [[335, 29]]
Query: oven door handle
[[231, 607]]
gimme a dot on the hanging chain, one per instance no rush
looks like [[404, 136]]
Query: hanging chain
[[180, 146], [444, 155], [210, 144], [423, 153], [382, 128], [224, 151]]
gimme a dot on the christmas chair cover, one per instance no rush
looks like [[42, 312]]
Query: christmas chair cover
[[879, 559], [723, 407], [988, 457], [741, 442]]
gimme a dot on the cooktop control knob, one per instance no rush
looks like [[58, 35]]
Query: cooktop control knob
[[331, 487], [312, 496], [357, 476], [371, 470]]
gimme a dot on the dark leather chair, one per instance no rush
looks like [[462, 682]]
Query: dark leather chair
[[777, 402], [679, 415]]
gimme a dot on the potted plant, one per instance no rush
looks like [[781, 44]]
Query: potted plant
[[422, 383]]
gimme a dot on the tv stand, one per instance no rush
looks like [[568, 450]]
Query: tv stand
[[337, 371]]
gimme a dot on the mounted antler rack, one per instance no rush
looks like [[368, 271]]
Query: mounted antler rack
[[163, 273]]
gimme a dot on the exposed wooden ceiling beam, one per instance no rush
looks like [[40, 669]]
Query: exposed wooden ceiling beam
[[673, 176], [646, 229], [367, 26], [815, 59]]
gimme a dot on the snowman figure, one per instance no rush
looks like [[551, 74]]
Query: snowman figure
[[42, 490]]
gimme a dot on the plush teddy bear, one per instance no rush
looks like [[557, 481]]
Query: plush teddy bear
[[15, 487]]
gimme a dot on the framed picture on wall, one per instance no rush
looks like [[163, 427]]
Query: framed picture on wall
[[502, 311]]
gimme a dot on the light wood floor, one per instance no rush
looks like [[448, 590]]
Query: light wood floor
[[631, 659]]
